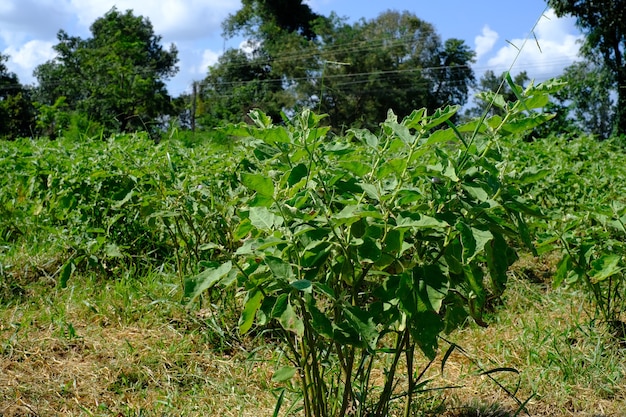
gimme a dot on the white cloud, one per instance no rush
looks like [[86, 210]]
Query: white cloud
[[186, 20], [209, 58], [23, 59], [554, 46], [485, 42]]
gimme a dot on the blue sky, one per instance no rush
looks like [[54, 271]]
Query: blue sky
[[494, 29]]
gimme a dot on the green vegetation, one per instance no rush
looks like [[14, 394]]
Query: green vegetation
[[343, 266], [357, 262]]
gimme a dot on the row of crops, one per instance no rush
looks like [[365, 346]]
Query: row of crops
[[358, 250]]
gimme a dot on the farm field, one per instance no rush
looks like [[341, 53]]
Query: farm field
[[283, 270]]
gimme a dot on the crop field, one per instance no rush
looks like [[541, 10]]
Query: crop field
[[436, 267]]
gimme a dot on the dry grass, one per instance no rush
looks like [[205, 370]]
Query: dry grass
[[107, 349]]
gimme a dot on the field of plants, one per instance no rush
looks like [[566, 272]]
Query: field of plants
[[433, 267]]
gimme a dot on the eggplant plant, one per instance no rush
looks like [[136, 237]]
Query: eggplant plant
[[359, 251]]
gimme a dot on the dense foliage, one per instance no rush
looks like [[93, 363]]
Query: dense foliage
[[116, 77], [604, 24], [17, 113], [354, 73]]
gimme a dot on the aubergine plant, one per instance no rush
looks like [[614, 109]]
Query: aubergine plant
[[361, 250]]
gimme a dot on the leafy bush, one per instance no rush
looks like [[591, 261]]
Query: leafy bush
[[362, 249]]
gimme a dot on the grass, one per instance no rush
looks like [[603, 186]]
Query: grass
[[125, 347]]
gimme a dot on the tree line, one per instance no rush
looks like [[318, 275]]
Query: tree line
[[115, 80]]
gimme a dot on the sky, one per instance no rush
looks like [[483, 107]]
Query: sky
[[495, 29]]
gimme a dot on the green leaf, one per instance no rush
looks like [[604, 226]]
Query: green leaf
[[259, 183], [401, 131], [303, 285], [66, 273], [263, 219], [441, 135], [425, 329], [357, 168], [473, 240], [284, 374], [280, 305], [605, 267], [362, 323], [315, 254], [320, 322], [280, 269], [424, 222], [562, 270], [499, 258], [433, 286], [371, 190], [291, 322], [439, 116], [254, 298], [201, 282], [296, 174], [113, 251]]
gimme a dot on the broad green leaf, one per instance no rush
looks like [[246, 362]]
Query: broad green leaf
[[371, 190], [605, 267], [251, 305], [473, 240], [196, 285], [118, 204], [439, 117], [363, 324], [532, 175], [281, 270], [296, 174], [358, 168], [320, 322], [499, 258], [415, 119], [369, 251], [394, 166], [261, 119], [263, 219], [303, 285], [401, 131], [259, 183], [425, 329], [284, 374], [424, 222], [433, 286], [113, 251], [478, 193], [280, 305], [66, 272], [441, 135], [315, 254], [290, 321]]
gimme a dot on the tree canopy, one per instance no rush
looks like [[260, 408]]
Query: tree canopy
[[604, 24], [117, 76], [16, 110], [353, 72]]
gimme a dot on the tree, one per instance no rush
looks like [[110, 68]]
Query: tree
[[587, 96], [17, 114], [238, 83], [353, 72], [117, 76], [604, 24], [279, 33], [396, 61], [260, 19]]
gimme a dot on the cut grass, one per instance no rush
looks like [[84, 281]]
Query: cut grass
[[127, 347]]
